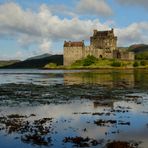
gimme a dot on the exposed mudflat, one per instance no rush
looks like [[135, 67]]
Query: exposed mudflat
[[65, 113]]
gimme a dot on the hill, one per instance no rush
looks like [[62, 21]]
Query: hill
[[46, 55], [140, 50], [37, 62], [8, 62]]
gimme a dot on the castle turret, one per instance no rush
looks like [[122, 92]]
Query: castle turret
[[95, 32]]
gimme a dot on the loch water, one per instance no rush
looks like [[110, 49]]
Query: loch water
[[73, 108]]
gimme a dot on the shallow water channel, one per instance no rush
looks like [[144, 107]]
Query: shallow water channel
[[73, 108]]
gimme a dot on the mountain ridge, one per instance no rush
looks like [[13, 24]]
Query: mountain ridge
[[36, 63], [45, 55], [138, 48]]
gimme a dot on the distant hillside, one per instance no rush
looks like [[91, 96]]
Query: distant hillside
[[9, 62], [138, 48], [46, 55], [37, 63]]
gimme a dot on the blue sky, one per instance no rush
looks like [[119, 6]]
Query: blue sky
[[33, 27]]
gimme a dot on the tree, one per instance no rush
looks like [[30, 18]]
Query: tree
[[89, 60]]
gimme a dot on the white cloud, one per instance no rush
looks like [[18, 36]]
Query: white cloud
[[133, 34], [30, 27], [62, 9], [19, 54], [83, 7], [45, 46], [44, 29], [97, 7]]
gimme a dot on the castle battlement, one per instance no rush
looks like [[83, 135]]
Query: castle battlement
[[74, 44]]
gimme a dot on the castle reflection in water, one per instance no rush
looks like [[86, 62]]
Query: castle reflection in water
[[110, 78]]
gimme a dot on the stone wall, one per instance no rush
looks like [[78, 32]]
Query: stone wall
[[90, 50], [131, 56], [71, 54], [123, 55], [127, 55]]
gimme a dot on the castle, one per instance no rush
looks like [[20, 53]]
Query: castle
[[103, 44]]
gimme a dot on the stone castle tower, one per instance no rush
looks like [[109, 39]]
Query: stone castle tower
[[103, 44], [104, 40]]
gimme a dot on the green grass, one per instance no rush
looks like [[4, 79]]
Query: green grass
[[101, 63], [5, 63], [142, 56], [91, 62], [50, 65]]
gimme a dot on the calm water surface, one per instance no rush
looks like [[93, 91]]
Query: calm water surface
[[104, 105]]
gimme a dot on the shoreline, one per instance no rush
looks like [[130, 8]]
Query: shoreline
[[99, 68], [83, 68]]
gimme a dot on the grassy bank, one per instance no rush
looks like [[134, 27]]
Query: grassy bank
[[93, 63], [6, 63]]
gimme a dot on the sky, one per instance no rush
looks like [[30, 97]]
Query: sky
[[33, 27]]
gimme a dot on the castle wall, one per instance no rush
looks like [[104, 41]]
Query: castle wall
[[71, 54], [98, 53], [123, 55], [108, 54], [89, 50], [131, 56], [127, 55]]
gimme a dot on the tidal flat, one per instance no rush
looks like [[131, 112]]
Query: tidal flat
[[73, 108]]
